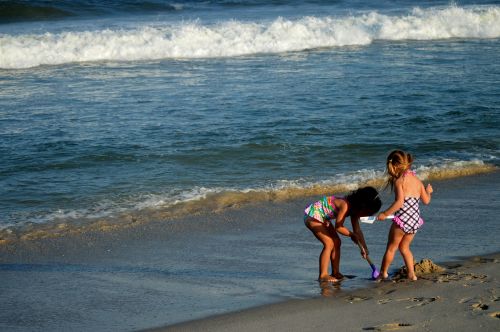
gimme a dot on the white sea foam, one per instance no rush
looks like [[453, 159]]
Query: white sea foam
[[450, 168], [236, 38], [217, 198], [174, 197]]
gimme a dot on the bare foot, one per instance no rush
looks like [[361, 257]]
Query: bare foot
[[382, 277], [338, 275], [328, 279]]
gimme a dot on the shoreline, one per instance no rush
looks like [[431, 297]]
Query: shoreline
[[464, 297], [214, 203], [163, 274]]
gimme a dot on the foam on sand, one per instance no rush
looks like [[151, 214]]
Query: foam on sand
[[159, 208]]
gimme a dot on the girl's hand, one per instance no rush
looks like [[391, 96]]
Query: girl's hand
[[364, 252], [429, 189], [381, 216]]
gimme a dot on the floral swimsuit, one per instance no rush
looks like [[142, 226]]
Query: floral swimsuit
[[322, 210]]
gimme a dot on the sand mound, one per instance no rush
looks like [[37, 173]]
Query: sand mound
[[425, 266]]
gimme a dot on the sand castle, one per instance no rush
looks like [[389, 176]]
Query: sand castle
[[425, 266]]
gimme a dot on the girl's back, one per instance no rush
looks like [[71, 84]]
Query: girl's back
[[411, 185]]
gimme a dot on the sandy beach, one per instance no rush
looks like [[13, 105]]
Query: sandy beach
[[254, 268], [463, 297], [158, 156]]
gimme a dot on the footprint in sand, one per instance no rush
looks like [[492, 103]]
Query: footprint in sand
[[471, 276], [352, 299], [480, 306], [459, 276], [422, 301], [384, 292], [485, 260], [384, 301], [388, 327], [466, 299], [447, 277]]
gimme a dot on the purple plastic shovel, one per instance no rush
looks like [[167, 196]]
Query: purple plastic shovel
[[375, 272]]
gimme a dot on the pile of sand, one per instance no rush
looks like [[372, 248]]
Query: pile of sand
[[425, 266]]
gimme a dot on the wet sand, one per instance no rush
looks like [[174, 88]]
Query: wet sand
[[464, 296], [164, 273]]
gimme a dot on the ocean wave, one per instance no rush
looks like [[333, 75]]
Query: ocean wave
[[20, 11], [110, 215], [14, 11], [40, 10], [190, 40]]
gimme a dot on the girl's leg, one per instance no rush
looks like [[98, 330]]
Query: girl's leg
[[322, 233], [335, 256], [404, 249], [394, 238]]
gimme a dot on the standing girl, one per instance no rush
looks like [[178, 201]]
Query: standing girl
[[318, 217], [409, 191]]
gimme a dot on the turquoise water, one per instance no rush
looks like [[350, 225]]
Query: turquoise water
[[118, 112], [205, 265], [110, 114]]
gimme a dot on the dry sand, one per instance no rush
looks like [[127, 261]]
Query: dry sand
[[463, 296]]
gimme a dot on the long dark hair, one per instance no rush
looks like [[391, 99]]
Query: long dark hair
[[364, 199]]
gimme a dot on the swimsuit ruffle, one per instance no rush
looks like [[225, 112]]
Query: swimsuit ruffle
[[405, 227]]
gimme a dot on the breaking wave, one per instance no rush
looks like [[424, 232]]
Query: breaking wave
[[188, 40], [109, 216]]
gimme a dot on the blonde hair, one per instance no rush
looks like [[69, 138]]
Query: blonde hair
[[398, 162]]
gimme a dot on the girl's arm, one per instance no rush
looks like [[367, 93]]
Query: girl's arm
[[339, 223], [425, 194], [398, 202], [356, 228], [356, 236]]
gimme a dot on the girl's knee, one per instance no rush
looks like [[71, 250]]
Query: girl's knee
[[404, 250], [337, 242], [392, 248], [329, 245]]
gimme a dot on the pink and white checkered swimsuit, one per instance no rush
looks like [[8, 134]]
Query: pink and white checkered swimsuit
[[408, 216]]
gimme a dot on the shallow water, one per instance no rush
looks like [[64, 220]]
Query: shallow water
[[95, 125], [155, 158], [163, 273]]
